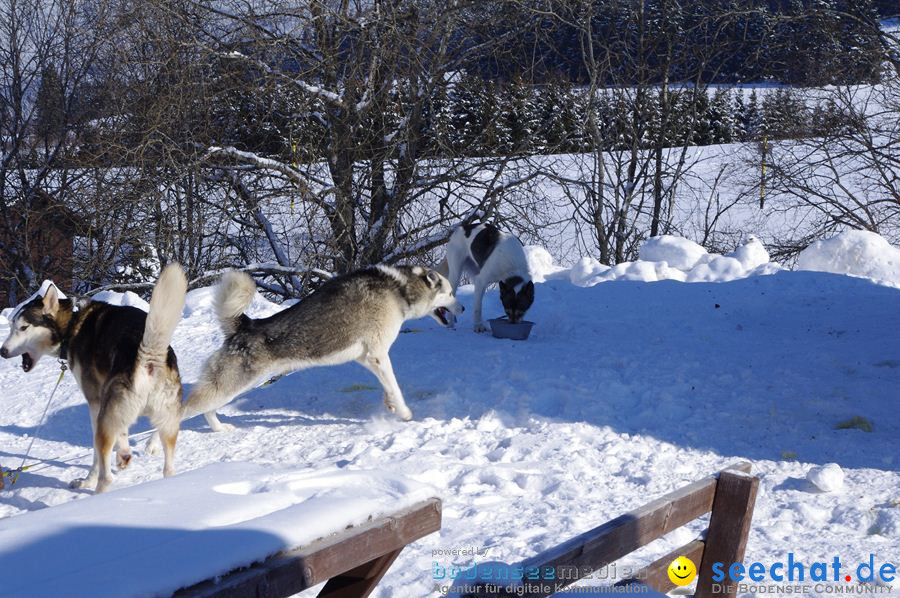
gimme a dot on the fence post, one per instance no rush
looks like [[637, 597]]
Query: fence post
[[729, 526]]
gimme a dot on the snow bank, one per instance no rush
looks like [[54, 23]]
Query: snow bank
[[673, 258], [857, 253], [200, 302], [128, 299], [121, 543], [751, 254], [675, 251], [540, 263]]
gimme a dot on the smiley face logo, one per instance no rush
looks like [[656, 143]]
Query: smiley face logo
[[682, 571]]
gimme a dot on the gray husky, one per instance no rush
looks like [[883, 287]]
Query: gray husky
[[355, 317], [121, 359]]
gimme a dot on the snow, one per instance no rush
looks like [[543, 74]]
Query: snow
[[679, 253], [827, 478], [127, 299], [540, 263], [858, 252], [144, 540], [751, 254], [674, 258], [625, 390]]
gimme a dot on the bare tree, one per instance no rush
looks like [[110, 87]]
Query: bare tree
[[47, 50], [355, 83], [848, 175], [636, 129]]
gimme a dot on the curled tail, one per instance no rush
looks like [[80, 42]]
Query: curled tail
[[166, 305], [233, 296]]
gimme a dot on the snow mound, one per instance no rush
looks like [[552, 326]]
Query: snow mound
[[679, 253], [716, 268], [673, 258], [200, 302], [540, 263], [827, 478], [126, 299], [857, 253], [751, 254]]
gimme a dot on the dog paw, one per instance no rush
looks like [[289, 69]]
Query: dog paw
[[154, 445], [123, 460], [479, 328], [223, 427], [402, 412], [79, 483]]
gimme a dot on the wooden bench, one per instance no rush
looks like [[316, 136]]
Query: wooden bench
[[729, 496], [225, 529], [351, 563]]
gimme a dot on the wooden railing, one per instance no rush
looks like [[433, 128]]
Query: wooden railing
[[729, 496]]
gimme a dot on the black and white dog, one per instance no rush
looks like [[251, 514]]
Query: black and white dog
[[491, 256]]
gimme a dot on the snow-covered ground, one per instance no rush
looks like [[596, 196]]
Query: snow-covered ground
[[626, 390]]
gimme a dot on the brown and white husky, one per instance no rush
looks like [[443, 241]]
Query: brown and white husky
[[120, 357]]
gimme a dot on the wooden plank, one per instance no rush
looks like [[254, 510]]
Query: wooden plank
[[353, 550], [624, 534], [656, 574], [359, 582], [729, 526]]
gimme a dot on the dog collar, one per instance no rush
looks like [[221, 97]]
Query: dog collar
[[64, 350]]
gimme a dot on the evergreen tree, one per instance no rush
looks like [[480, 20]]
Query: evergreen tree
[[784, 115], [721, 117], [738, 117], [522, 120], [752, 117], [703, 134]]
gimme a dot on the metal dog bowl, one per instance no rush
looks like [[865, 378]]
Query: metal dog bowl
[[503, 328]]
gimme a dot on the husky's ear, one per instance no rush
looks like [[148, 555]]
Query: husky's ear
[[51, 300], [433, 279], [504, 288]]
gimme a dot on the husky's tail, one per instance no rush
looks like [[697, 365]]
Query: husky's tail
[[233, 296], [166, 305]]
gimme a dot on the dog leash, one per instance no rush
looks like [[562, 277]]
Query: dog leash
[[41, 464], [13, 474]]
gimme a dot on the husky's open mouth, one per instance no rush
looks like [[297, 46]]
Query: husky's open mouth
[[443, 314], [27, 362]]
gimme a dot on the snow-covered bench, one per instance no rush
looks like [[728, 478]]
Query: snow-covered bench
[[236, 529], [729, 497]]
